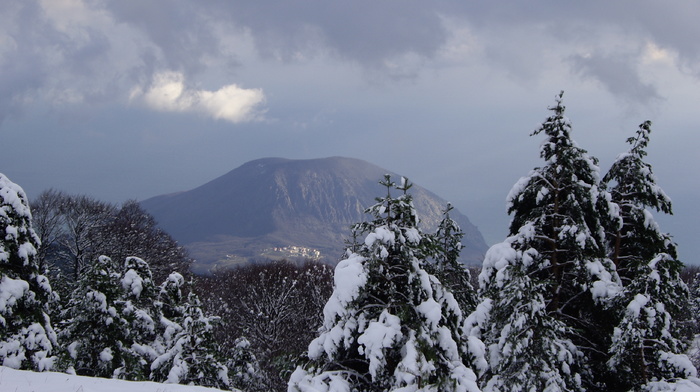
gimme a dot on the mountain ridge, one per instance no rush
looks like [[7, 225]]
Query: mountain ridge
[[273, 203]]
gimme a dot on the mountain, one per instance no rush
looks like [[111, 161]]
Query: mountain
[[275, 207]]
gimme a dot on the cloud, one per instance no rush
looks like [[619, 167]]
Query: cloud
[[374, 35], [73, 51], [184, 32], [618, 73], [169, 93]]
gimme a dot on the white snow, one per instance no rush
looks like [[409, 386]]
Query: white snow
[[382, 234], [518, 189], [542, 194], [133, 283], [10, 291], [106, 355], [349, 278], [379, 335], [26, 381], [11, 233], [432, 311], [25, 251], [412, 235], [326, 382], [606, 286], [680, 362], [692, 385], [497, 258], [635, 306], [13, 195]]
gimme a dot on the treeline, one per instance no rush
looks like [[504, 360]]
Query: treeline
[[74, 230], [108, 317], [122, 316]]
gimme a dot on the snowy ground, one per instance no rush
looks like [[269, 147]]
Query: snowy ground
[[23, 381]]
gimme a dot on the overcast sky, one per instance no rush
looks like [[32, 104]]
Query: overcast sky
[[131, 99]]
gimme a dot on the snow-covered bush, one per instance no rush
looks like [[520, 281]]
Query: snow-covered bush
[[96, 331], [191, 354]]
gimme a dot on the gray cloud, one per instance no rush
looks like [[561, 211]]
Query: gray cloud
[[366, 31], [22, 69], [618, 73], [181, 30], [118, 44]]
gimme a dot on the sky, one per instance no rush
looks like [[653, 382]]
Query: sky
[[132, 99]]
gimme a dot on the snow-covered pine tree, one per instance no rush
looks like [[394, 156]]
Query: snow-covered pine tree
[[646, 353], [190, 354], [137, 304], [637, 238], [530, 349], [646, 348], [546, 283], [243, 367], [692, 327], [137, 282], [447, 243], [389, 325], [170, 301], [27, 338], [95, 332], [169, 310]]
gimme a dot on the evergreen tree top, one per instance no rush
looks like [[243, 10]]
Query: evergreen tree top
[[640, 142], [557, 127], [633, 177], [14, 200], [137, 279], [560, 198], [19, 242], [394, 218]]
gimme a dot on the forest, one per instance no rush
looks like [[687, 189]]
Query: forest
[[586, 293]]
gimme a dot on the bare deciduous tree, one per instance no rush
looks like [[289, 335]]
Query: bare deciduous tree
[[277, 306]]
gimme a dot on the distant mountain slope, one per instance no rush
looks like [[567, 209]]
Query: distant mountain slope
[[276, 207]]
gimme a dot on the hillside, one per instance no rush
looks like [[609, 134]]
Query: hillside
[[276, 207]]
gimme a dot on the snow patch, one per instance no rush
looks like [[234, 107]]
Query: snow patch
[[25, 381], [379, 335]]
